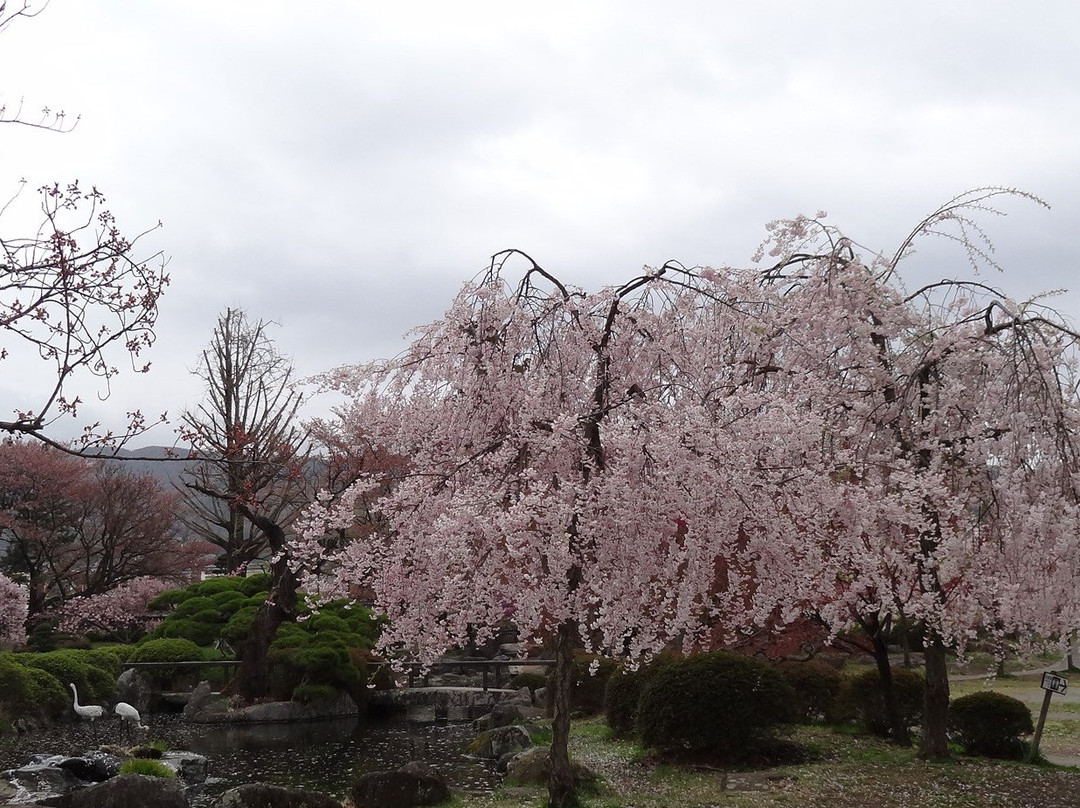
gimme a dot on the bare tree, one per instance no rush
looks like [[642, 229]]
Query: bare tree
[[247, 484], [249, 449]]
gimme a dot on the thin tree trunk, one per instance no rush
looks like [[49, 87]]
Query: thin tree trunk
[[935, 742], [897, 727], [562, 792]]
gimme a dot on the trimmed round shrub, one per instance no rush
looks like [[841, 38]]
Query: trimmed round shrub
[[173, 649], [239, 626], [166, 600], [623, 691], [192, 606], [229, 600], [194, 631], [866, 694], [254, 584], [717, 703], [816, 685], [990, 724], [27, 692], [71, 666]]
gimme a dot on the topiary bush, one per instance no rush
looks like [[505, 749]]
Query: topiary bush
[[27, 692], [816, 685], [204, 612], [990, 724], [167, 650], [322, 653], [70, 666], [623, 691], [719, 704], [864, 691]]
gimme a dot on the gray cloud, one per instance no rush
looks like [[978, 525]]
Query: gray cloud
[[341, 168]]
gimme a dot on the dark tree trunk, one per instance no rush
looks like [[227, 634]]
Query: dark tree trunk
[[252, 678], [561, 789], [935, 742], [897, 728]]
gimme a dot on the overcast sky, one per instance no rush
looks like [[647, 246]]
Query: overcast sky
[[341, 167]]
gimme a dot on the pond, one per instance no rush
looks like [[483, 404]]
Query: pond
[[320, 756]]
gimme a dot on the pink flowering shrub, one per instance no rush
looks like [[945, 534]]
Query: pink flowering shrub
[[14, 601], [121, 612]]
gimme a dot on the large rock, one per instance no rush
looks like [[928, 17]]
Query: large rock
[[189, 767], [494, 743], [129, 791], [136, 688], [533, 768], [262, 795], [203, 706], [94, 767], [414, 784], [42, 778]]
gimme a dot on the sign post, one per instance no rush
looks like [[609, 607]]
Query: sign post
[[1052, 683]]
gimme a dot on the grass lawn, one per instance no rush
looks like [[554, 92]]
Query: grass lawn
[[850, 771]]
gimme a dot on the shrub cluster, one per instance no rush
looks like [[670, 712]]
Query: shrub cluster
[[817, 686], [172, 649], [989, 723], [624, 690], [324, 653], [718, 703], [210, 611], [865, 694], [92, 673], [30, 692]]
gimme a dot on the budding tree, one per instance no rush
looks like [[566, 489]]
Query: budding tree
[[75, 293], [78, 526]]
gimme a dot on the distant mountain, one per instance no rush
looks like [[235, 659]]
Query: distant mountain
[[159, 461]]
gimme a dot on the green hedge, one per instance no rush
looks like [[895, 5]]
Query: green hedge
[[817, 686], [81, 668], [167, 650], [864, 691], [29, 692], [989, 723], [720, 704], [623, 692]]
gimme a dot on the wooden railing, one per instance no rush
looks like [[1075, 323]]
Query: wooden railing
[[494, 672], [224, 664]]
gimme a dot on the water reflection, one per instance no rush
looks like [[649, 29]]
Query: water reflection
[[322, 756]]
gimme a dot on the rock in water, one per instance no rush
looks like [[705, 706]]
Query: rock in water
[[414, 784], [129, 791], [262, 795]]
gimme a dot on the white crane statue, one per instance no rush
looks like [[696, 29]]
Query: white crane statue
[[86, 711], [132, 719]]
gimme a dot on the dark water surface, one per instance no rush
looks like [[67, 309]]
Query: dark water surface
[[320, 756]]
